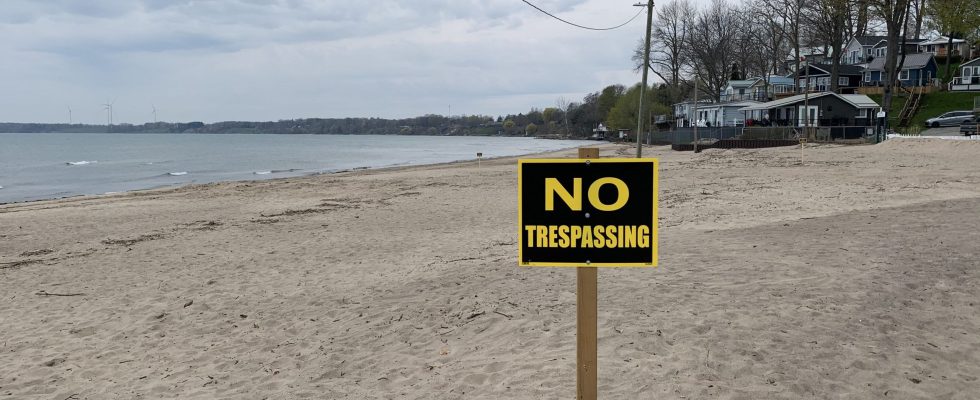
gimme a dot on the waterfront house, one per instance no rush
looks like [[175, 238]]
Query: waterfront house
[[969, 79], [817, 109], [757, 89], [918, 70], [723, 114], [684, 112], [859, 49], [940, 47], [739, 90], [817, 78]]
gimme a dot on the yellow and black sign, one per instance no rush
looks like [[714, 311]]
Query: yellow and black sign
[[587, 212]]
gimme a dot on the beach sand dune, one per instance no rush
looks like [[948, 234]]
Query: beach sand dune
[[852, 276]]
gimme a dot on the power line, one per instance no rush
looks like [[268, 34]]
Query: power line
[[581, 26]]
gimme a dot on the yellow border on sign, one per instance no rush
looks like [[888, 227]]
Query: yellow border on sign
[[655, 225]]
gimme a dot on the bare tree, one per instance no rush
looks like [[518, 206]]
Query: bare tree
[[667, 55], [894, 13], [919, 7], [564, 106], [711, 46], [790, 14], [828, 21], [859, 12]]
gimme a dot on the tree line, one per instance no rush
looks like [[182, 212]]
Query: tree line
[[614, 105]]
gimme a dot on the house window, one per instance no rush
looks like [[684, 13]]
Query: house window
[[867, 77], [966, 71], [843, 81], [904, 75]]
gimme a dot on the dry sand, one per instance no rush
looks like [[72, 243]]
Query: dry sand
[[853, 277]]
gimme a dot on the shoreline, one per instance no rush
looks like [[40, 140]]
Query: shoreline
[[307, 174]]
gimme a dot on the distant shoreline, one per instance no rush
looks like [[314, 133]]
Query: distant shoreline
[[288, 174]]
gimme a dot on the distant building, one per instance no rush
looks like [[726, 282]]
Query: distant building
[[969, 79], [819, 109], [918, 70], [817, 78], [940, 47], [859, 50], [911, 46], [684, 112], [723, 114], [810, 54], [757, 89]]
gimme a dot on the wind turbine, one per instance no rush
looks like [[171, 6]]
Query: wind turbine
[[108, 109], [154, 113], [69, 115]]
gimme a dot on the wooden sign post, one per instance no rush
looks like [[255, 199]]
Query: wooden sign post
[[802, 143], [587, 213], [587, 301]]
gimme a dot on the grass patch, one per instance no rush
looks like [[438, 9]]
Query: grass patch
[[931, 105], [898, 101], [937, 103]]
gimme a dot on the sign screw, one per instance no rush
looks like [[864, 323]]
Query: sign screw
[[587, 215]]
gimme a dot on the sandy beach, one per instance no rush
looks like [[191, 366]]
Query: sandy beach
[[853, 276]]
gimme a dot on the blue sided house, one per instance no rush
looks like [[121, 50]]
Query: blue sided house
[[918, 70]]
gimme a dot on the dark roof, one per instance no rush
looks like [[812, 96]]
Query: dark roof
[[869, 40], [908, 42], [912, 61], [842, 69], [975, 61]]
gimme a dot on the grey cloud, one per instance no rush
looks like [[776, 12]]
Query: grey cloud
[[264, 59]]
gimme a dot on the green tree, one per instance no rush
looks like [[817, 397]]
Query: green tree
[[623, 113], [531, 129], [549, 114], [608, 98], [954, 19], [509, 126]]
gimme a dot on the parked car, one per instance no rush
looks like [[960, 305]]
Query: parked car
[[969, 127], [952, 118]]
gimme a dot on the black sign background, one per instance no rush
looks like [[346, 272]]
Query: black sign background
[[638, 176]]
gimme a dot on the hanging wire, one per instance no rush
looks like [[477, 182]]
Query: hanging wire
[[581, 26]]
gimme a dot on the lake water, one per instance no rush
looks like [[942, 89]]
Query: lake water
[[36, 166]]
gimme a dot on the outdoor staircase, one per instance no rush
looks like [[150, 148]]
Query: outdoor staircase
[[911, 107]]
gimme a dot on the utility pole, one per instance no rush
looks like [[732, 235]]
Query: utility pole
[[643, 84], [806, 99], [695, 113]]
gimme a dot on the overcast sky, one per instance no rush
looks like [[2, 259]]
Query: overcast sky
[[218, 60]]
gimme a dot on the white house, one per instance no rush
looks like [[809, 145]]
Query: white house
[[684, 112], [969, 79], [756, 89], [858, 49], [939, 47], [723, 114]]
